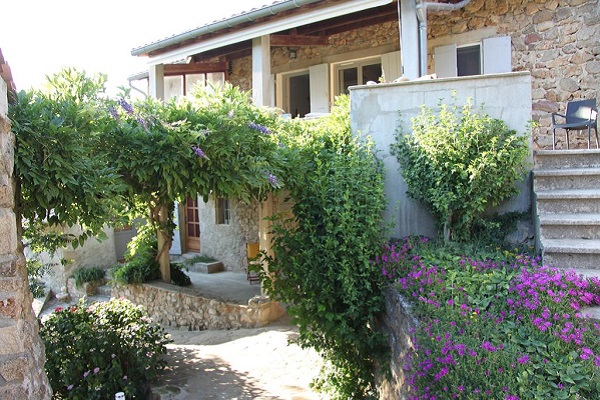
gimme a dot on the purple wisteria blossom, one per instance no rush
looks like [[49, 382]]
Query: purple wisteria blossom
[[261, 128], [198, 151], [273, 180], [125, 106], [113, 113]]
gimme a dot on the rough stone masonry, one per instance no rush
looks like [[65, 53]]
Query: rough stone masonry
[[22, 356]]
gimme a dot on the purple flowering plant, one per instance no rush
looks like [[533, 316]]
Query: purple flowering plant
[[495, 327]]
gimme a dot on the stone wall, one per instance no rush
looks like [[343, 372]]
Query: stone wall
[[227, 242], [378, 110], [558, 41], [397, 323], [171, 305], [22, 356]]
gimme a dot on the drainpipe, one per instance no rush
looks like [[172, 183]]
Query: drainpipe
[[422, 8]]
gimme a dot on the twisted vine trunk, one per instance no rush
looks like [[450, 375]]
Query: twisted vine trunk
[[160, 219]]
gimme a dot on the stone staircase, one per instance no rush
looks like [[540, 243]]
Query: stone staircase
[[566, 187]]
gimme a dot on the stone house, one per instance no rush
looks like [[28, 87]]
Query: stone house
[[297, 55]]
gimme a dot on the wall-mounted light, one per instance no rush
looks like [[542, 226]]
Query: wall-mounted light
[[293, 53]]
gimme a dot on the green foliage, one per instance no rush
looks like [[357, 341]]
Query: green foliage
[[35, 271], [140, 259], [495, 325], [61, 178], [321, 266], [93, 352], [459, 163], [89, 274], [179, 277]]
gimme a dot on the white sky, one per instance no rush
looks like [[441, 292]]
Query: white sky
[[39, 37]]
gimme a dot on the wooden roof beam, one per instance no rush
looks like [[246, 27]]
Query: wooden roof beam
[[298, 40]]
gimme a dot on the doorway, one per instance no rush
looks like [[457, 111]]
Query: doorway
[[299, 95], [192, 226]]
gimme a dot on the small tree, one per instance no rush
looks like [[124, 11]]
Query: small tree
[[459, 163], [215, 143], [61, 179]]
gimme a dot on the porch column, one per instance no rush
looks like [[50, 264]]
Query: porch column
[[409, 38], [261, 70], [265, 227], [157, 81]]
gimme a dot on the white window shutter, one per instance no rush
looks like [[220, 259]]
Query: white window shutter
[[391, 66], [497, 55], [445, 61], [319, 88]]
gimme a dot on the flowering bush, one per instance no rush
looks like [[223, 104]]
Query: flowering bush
[[93, 352], [501, 327]]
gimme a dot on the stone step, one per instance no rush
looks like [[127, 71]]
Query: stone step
[[573, 226], [568, 201], [104, 290], [572, 253], [557, 159], [572, 178], [206, 267]]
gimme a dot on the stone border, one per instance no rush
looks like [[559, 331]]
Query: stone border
[[171, 305]]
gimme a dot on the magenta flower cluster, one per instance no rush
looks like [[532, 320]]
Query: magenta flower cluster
[[487, 326]]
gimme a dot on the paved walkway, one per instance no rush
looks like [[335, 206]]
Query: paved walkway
[[232, 364]]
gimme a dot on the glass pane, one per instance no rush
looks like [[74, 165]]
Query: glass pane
[[348, 77], [192, 80], [173, 86], [468, 60], [371, 73], [216, 78]]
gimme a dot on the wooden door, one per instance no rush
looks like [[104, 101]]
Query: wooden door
[[192, 226]]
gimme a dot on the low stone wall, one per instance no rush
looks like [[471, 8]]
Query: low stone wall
[[171, 305], [397, 324]]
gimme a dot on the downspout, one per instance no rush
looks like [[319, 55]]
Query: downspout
[[422, 8]]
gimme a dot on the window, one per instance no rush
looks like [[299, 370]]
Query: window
[[298, 94], [357, 73], [222, 211], [468, 60], [490, 56], [182, 85]]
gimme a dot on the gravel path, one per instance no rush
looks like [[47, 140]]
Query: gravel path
[[238, 364]]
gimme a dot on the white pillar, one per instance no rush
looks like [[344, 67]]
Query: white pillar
[[157, 81], [409, 47], [261, 71]]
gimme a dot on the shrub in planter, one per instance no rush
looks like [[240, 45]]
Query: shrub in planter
[[88, 275], [93, 352]]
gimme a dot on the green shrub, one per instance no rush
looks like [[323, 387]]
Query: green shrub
[[93, 352], [322, 255], [495, 325], [179, 277], [140, 259], [459, 163], [86, 275]]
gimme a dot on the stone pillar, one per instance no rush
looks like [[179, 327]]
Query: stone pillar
[[261, 71], [22, 357], [156, 78]]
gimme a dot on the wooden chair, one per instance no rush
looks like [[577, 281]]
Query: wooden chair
[[252, 258], [580, 115]]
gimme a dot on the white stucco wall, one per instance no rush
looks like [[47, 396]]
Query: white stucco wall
[[378, 110], [227, 243]]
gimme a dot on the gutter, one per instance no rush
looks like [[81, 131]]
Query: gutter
[[422, 8], [223, 24]]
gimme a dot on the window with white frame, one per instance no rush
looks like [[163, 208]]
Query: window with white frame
[[358, 72], [490, 56], [183, 85]]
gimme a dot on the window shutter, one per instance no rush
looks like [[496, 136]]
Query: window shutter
[[445, 61], [319, 88], [497, 55], [391, 66]]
